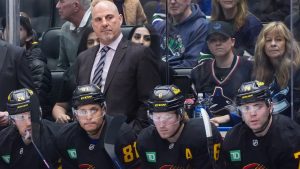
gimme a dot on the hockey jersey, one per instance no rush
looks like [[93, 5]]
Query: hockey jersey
[[278, 149], [80, 151], [14, 154], [205, 80], [190, 150]]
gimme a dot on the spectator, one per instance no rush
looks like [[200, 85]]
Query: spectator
[[262, 140], [276, 55], [186, 29], [129, 73], [205, 6], [16, 142], [154, 6], [147, 36], [77, 15], [14, 74], [89, 39], [247, 26], [41, 75], [131, 10], [226, 70]]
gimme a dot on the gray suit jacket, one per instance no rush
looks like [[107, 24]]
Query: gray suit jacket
[[132, 75]]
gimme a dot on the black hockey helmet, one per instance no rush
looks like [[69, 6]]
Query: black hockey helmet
[[87, 94], [19, 101], [166, 98], [252, 91]]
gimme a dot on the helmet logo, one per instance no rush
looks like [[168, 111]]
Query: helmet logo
[[175, 90], [160, 105], [247, 88], [260, 83], [20, 98], [85, 97], [247, 96], [160, 95], [30, 91], [84, 89], [22, 106]]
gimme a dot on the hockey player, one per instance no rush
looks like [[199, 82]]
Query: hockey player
[[29, 141], [263, 140], [82, 143], [174, 141], [226, 70]]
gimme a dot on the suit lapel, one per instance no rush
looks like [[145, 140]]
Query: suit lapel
[[3, 53], [120, 52]]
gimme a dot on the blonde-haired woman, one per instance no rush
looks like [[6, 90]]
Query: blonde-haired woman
[[277, 62], [247, 26]]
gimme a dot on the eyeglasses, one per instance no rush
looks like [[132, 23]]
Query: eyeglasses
[[165, 118], [84, 112], [20, 117], [138, 36], [252, 108]]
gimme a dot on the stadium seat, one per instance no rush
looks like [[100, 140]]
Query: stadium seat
[[126, 30], [182, 79], [50, 46]]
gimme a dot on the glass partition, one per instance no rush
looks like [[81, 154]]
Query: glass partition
[[181, 42]]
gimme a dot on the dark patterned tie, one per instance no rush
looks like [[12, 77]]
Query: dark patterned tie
[[99, 69]]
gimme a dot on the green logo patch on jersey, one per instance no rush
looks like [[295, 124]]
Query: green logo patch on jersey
[[72, 153], [151, 157], [235, 155], [6, 158]]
